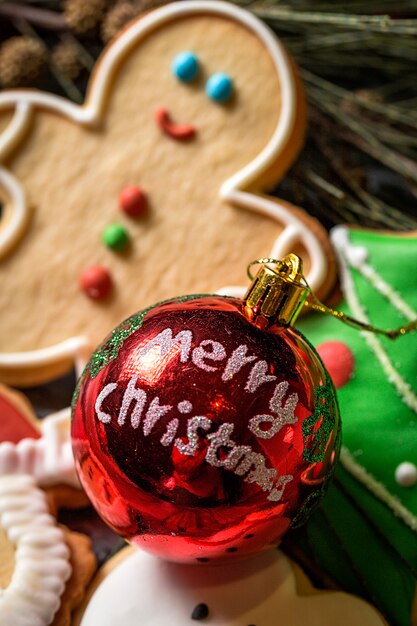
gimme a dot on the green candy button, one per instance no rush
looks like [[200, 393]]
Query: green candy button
[[115, 237]]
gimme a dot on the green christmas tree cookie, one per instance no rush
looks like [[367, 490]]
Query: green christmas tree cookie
[[365, 533]]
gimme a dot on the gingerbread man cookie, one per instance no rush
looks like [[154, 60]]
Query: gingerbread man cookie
[[153, 188]]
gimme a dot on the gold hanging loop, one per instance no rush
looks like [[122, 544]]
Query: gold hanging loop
[[281, 291]]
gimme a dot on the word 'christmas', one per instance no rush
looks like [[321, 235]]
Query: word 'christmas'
[[239, 459]]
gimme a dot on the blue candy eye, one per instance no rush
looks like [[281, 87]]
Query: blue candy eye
[[185, 66], [219, 87]]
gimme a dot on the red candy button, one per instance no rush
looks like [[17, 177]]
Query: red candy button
[[132, 201], [96, 282], [339, 361]]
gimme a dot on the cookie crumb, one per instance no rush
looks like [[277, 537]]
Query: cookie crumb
[[200, 612]]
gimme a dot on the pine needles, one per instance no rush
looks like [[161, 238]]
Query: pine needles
[[359, 73]]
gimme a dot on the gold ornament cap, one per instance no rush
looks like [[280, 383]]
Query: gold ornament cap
[[277, 293]]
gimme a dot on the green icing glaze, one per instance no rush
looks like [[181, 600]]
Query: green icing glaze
[[378, 428], [347, 538], [354, 536], [110, 349]]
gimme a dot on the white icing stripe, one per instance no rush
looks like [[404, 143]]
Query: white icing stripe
[[16, 128], [294, 232], [377, 488], [41, 558], [387, 291], [13, 223], [232, 190], [48, 459], [345, 250], [75, 349]]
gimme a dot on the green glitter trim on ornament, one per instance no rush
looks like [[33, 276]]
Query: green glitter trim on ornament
[[309, 505], [315, 498], [317, 427], [110, 349], [77, 390]]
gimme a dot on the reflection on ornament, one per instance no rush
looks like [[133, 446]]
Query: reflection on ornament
[[212, 426]]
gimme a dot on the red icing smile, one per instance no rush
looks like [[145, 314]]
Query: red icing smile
[[180, 132]]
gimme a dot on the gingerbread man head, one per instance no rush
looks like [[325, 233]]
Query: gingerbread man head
[[198, 107]]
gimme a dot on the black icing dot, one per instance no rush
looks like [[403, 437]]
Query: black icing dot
[[202, 559], [231, 549], [249, 536], [200, 611]]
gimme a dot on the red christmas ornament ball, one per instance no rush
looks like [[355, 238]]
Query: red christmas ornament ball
[[200, 436]]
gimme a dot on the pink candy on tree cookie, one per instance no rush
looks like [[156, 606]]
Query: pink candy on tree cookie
[[198, 104]]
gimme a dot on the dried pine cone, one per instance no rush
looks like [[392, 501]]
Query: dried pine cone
[[146, 5], [65, 57], [124, 11], [22, 61], [83, 16], [116, 19]]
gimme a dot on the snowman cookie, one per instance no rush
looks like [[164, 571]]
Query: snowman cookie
[[153, 188], [266, 590]]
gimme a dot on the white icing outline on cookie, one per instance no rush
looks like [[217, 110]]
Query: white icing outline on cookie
[[16, 224], [233, 189], [76, 349], [356, 256], [19, 213], [48, 459], [41, 559]]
